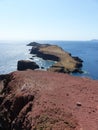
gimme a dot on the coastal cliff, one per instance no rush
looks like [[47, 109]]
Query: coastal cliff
[[42, 100], [65, 63]]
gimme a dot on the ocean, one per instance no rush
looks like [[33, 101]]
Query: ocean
[[11, 52]]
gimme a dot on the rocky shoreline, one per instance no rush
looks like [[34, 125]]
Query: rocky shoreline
[[41, 100], [65, 63]]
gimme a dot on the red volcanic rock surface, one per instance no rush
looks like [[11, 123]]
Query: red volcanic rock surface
[[38, 100]]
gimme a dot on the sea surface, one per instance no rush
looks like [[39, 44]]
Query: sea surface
[[11, 52]]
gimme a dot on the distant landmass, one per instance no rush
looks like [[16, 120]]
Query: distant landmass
[[94, 40]]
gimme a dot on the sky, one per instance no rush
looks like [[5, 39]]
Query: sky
[[48, 19]]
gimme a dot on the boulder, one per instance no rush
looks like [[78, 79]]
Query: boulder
[[26, 64]]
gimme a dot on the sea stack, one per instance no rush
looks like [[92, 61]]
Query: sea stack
[[26, 64]]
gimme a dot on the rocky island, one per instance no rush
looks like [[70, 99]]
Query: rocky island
[[65, 63]]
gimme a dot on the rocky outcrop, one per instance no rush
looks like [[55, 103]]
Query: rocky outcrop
[[39, 100], [65, 62], [26, 64], [37, 44]]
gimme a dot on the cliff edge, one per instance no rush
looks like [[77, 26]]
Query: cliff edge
[[39, 100]]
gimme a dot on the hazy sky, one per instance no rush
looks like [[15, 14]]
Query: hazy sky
[[48, 19]]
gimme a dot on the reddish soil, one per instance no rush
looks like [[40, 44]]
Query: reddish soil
[[39, 100]]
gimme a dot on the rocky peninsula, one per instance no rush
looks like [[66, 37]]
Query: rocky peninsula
[[42, 100], [65, 63]]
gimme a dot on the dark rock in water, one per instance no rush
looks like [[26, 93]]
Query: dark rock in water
[[65, 62], [42, 67], [26, 64], [31, 58]]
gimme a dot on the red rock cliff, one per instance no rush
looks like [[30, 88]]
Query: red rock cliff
[[38, 100]]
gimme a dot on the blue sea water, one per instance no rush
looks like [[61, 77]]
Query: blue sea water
[[11, 52]]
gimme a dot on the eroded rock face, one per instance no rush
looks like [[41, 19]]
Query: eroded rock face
[[65, 62], [26, 64], [39, 100]]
